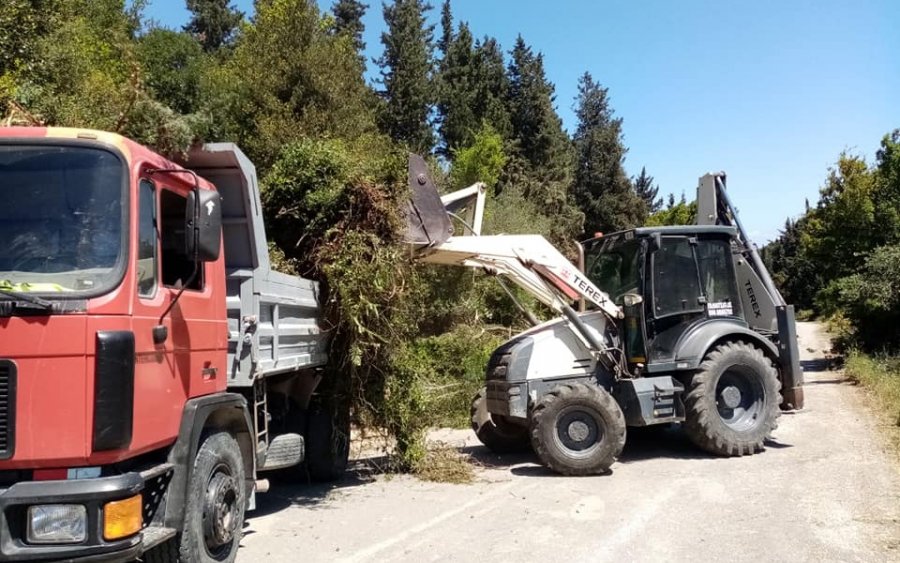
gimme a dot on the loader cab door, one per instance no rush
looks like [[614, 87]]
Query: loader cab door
[[615, 264], [691, 279]]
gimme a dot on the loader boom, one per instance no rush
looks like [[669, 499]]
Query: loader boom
[[529, 261]]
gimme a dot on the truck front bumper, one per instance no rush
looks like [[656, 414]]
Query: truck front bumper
[[93, 494]]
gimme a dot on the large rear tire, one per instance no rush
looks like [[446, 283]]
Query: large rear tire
[[578, 429], [327, 444], [733, 401], [499, 435]]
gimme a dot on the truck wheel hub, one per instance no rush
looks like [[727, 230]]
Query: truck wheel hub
[[731, 396], [219, 510]]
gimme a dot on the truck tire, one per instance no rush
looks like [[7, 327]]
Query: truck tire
[[732, 403], [216, 501], [327, 445], [578, 429], [499, 435]]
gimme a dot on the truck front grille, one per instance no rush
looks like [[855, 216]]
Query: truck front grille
[[7, 408]]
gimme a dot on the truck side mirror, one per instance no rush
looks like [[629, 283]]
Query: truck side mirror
[[203, 225]]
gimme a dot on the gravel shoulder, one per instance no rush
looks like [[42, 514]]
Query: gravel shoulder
[[825, 489]]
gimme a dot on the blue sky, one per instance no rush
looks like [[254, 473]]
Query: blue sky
[[769, 91]]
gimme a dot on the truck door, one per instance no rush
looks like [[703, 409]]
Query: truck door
[[188, 363]]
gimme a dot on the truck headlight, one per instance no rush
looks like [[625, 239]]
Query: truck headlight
[[57, 523]]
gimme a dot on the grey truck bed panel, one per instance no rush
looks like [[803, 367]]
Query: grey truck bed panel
[[274, 320]]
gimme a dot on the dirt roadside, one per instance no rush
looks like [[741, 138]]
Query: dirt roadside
[[824, 490]]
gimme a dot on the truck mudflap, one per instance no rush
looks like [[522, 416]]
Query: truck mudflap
[[93, 494]]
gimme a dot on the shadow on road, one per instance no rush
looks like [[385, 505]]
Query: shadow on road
[[643, 444], [301, 492]]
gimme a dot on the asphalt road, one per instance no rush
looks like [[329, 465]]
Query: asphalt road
[[824, 490]]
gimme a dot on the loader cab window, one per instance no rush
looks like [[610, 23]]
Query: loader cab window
[[693, 275], [613, 265], [146, 252], [676, 287], [177, 266], [717, 278]]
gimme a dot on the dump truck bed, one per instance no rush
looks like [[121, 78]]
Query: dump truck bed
[[274, 319]]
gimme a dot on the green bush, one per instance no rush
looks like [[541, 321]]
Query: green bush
[[870, 299], [881, 375]]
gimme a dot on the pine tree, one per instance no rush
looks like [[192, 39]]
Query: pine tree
[[643, 187], [406, 74], [602, 189], [348, 15], [213, 22]]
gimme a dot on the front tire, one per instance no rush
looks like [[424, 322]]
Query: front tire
[[732, 404], [216, 501], [578, 429], [499, 435]]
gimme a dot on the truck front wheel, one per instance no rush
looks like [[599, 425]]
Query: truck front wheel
[[578, 429], [732, 400], [216, 501]]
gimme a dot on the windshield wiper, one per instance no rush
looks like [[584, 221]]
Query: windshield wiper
[[32, 299]]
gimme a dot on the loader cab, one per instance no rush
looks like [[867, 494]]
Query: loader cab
[[668, 280]]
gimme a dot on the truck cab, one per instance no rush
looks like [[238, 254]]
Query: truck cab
[[138, 342]]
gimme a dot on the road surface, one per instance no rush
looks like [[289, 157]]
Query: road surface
[[824, 490]]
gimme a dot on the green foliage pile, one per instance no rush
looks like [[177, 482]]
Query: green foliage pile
[[842, 257], [286, 84]]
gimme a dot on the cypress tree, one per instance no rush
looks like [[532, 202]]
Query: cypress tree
[[644, 187], [490, 86], [406, 75], [602, 189], [213, 22], [446, 28], [348, 15], [457, 122], [535, 123]]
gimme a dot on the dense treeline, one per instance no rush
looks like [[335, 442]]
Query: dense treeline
[[287, 84], [841, 258]]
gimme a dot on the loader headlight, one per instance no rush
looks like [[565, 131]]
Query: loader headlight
[[57, 523]]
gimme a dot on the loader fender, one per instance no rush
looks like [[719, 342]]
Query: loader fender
[[699, 339]]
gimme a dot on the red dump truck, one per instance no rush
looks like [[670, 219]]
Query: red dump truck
[[151, 362]]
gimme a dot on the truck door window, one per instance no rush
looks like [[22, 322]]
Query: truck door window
[[177, 266], [146, 252], [675, 286]]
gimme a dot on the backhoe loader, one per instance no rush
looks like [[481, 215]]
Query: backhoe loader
[[659, 325]]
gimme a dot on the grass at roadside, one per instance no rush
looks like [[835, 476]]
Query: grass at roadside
[[881, 375]]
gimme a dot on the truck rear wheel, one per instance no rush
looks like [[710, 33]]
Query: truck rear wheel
[[732, 403], [499, 435], [578, 429], [327, 444], [216, 501]]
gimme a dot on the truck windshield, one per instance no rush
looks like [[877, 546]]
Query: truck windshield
[[612, 263], [61, 219]]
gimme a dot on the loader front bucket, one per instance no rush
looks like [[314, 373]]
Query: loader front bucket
[[427, 222]]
